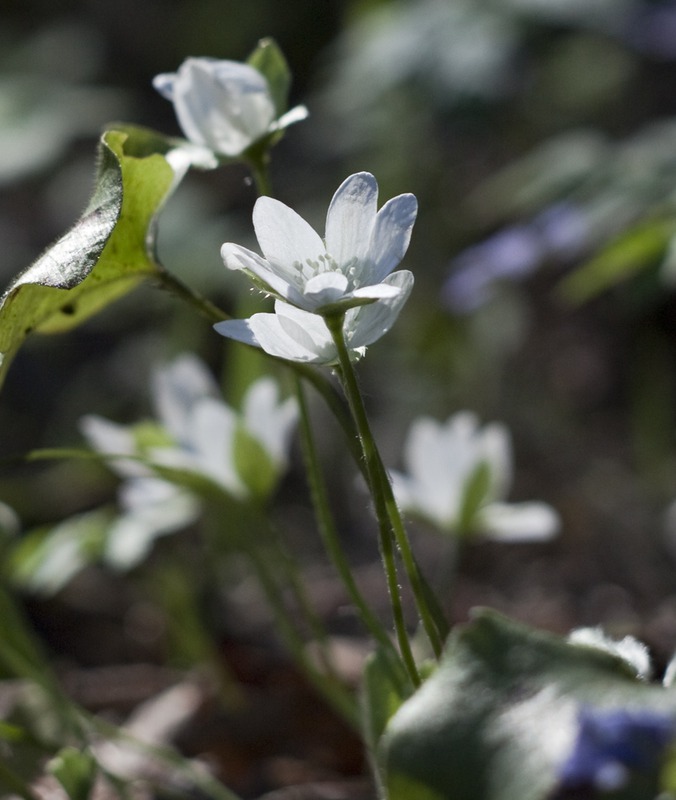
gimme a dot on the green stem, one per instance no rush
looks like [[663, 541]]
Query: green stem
[[335, 693], [200, 304], [371, 459], [330, 535], [430, 612], [258, 160]]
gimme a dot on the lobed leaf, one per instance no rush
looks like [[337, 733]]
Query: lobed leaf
[[106, 253], [498, 718]]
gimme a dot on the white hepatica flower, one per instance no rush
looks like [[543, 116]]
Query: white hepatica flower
[[350, 271], [448, 462], [298, 335], [362, 247], [202, 438], [225, 106]]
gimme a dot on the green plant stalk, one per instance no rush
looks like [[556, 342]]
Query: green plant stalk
[[371, 459], [291, 576], [431, 617], [15, 783], [258, 159], [333, 691], [330, 536]]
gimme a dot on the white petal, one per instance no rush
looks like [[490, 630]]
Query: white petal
[[520, 522], [325, 288], [296, 114], [224, 105], [294, 334], [237, 329], [176, 389], [109, 437], [367, 324], [131, 536], [237, 257], [164, 84], [214, 426], [351, 217], [437, 471], [286, 239], [268, 420], [392, 234]]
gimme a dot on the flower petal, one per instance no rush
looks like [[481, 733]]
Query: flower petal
[[213, 437], [224, 105], [520, 522], [351, 217], [237, 329], [288, 242], [294, 334], [391, 234], [296, 114], [236, 257], [176, 389], [327, 287], [268, 420], [366, 324]]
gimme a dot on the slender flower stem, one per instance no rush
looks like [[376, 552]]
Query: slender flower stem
[[430, 613], [335, 693], [371, 458], [200, 304], [330, 535]]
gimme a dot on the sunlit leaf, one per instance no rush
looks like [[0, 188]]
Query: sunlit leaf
[[108, 250], [498, 718]]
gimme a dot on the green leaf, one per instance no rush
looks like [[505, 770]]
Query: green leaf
[[75, 770], [497, 719], [269, 60], [383, 692], [44, 561], [108, 250], [253, 465], [637, 249], [473, 496]]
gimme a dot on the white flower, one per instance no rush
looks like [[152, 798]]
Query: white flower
[[298, 335], [225, 106], [458, 477], [362, 247], [202, 435]]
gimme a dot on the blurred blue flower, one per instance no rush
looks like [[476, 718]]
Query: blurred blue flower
[[559, 233], [611, 744], [653, 30]]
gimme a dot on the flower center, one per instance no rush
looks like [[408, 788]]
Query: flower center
[[312, 267]]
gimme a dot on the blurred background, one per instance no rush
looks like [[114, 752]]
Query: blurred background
[[540, 139]]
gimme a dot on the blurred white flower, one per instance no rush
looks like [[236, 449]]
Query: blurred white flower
[[458, 477], [224, 106], [199, 434]]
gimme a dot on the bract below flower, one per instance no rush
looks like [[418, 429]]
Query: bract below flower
[[348, 268], [298, 335], [224, 106], [458, 477]]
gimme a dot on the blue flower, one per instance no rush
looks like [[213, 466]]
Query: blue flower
[[611, 744]]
